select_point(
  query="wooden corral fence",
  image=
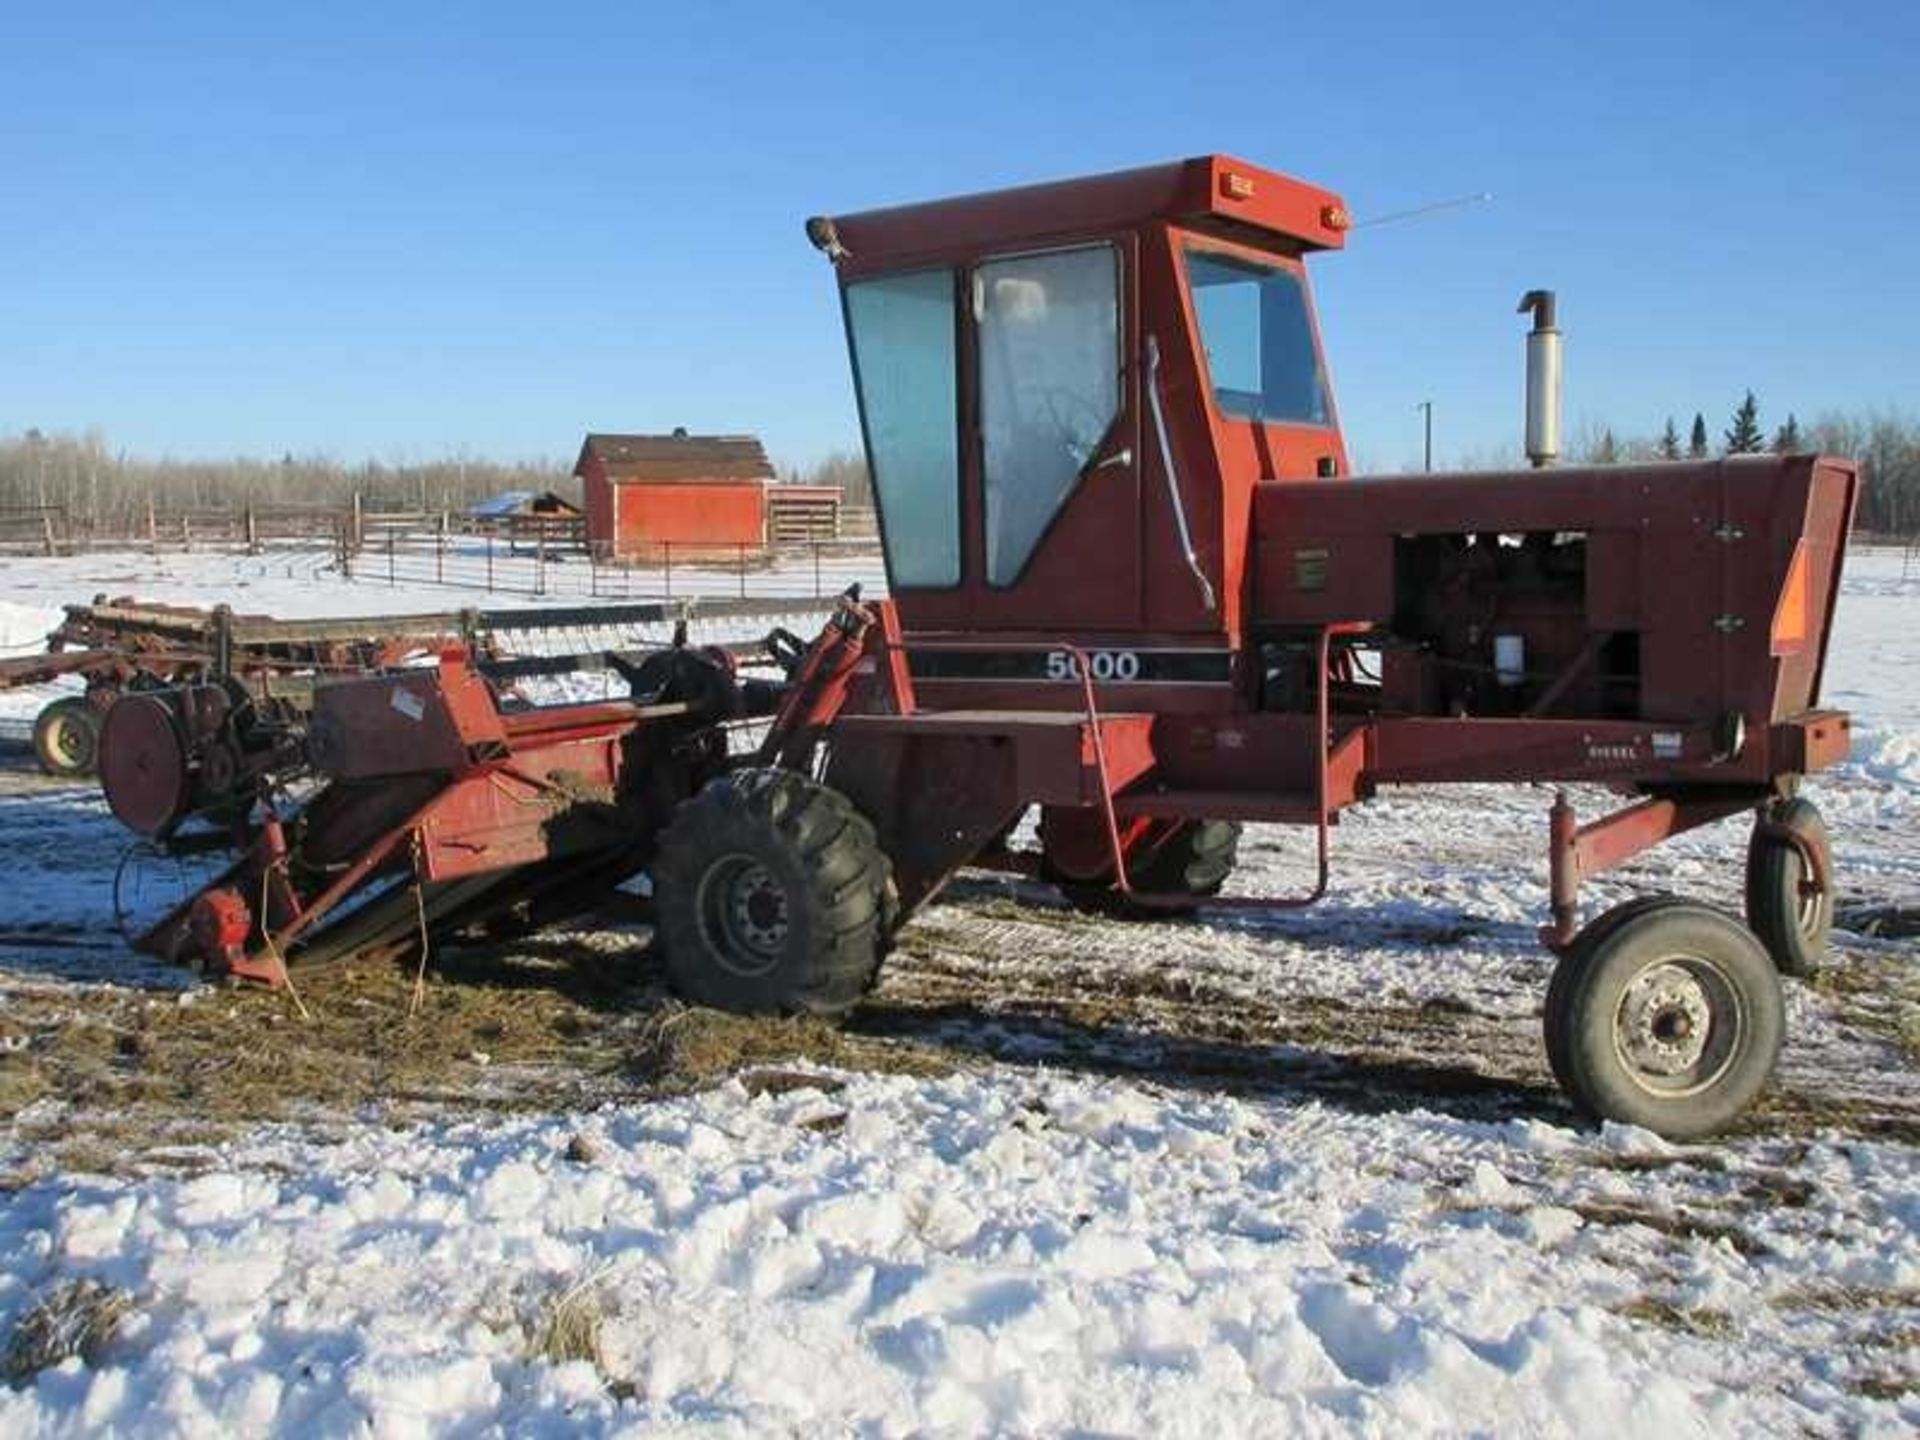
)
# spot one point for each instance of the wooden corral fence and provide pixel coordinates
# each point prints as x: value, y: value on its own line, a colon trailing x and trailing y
x: 362, y: 528
x: 817, y: 549
x: 802, y: 512
x: 518, y: 565
x: 34, y: 530
x: 1907, y: 546
x: 52, y: 530
x: 797, y: 515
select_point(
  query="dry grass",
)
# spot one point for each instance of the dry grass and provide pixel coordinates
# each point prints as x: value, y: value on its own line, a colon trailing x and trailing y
x: 568, y: 1327
x: 1701, y: 1320
x: 1871, y: 1321
x: 77, y: 1318
x: 685, y: 1046
x: 114, y: 1080
x: 1877, y: 1385
x: 1676, y: 1224
x: 120, y: 1081
x: 1876, y: 993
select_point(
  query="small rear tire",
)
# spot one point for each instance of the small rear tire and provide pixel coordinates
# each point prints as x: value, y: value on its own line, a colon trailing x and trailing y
x: 1597, y: 930
x: 66, y: 738
x: 1189, y: 859
x: 770, y: 896
x: 1671, y: 1020
x: 1791, y: 916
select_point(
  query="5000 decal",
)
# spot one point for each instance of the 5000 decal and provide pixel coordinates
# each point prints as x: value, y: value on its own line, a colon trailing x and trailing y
x: 1105, y: 664
x: 1109, y: 667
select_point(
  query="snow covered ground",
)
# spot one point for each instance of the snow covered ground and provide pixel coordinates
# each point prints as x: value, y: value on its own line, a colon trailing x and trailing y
x: 1281, y: 1177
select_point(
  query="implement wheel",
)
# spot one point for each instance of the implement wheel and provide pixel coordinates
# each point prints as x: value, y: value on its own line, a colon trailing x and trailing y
x: 1787, y: 908
x: 1187, y: 858
x: 1596, y: 931
x: 66, y: 738
x: 770, y: 896
x: 1670, y: 1018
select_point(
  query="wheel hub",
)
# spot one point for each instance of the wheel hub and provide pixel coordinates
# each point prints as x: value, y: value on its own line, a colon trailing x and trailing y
x: 1678, y: 1025
x: 759, y: 908
x: 68, y: 740
x: 743, y: 908
x: 1810, y: 896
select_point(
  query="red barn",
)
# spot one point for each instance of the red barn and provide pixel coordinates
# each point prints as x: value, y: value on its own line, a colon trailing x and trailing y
x: 647, y: 492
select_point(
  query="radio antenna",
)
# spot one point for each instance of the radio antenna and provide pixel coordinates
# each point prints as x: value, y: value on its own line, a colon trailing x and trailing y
x: 1393, y: 216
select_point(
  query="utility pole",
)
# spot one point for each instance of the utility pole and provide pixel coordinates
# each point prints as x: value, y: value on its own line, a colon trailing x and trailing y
x: 1427, y: 407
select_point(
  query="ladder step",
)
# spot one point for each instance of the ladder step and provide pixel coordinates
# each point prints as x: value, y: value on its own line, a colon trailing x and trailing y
x: 1277, y: 807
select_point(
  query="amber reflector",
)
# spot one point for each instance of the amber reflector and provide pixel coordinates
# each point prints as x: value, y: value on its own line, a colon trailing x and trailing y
x: 1790, y: 615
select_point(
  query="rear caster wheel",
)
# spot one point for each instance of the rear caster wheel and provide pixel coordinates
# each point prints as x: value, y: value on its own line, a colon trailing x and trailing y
x: 1597, y: 930
x: 1187, y: 858
x: 1787, y: 908
x: 770, y: 896
x: 1669, y: 1018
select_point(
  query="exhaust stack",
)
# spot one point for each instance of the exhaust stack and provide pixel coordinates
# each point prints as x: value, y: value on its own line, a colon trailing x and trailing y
x: 1543, y: 379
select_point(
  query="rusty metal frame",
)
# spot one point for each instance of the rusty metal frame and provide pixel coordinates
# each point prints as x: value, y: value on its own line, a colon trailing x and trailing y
x: 1323, y: 821
x: 1578, y: 852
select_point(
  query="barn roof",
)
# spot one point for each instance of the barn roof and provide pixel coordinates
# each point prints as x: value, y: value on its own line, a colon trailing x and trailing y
x: 522, y: 502
x: 677, y: 457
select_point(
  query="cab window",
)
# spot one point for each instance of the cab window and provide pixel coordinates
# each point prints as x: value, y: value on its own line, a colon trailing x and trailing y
x: 1258, y: 337
x: 1049, y: 337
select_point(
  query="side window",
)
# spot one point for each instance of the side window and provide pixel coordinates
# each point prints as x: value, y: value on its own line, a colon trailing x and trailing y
x: 1049, y: 328
x: 1258, y: 338
x: 903, y: 355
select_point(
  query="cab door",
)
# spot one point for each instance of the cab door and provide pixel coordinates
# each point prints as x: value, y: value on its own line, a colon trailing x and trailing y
x: 1053, y: 471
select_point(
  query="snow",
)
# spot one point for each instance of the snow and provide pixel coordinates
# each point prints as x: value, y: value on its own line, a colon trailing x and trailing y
x: 1009, y: 1253
x: 1186, y: 1222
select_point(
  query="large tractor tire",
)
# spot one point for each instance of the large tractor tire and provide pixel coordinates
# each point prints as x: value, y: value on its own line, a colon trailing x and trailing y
x: 1791, y: 917
x: 770, y: 897
x: 66, y: 738
x: 1187, y: 859
x: 1671, y: 1019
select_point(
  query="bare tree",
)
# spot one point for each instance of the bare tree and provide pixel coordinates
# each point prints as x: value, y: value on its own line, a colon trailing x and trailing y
x: 104, y: 491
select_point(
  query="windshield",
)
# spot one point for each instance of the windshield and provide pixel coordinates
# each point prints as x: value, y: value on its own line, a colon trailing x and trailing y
x: 1258, y: 338
x: 905, y: 371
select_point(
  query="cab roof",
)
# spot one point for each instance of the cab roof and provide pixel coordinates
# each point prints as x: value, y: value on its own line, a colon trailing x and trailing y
x: 1208, y: 192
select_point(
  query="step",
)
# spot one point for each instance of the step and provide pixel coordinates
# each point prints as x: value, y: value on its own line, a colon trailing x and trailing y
x: 1278, y: 807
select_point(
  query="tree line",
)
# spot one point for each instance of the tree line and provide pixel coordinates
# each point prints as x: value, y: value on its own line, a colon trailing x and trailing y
x: 111, y: 492
x: 1887, y: 445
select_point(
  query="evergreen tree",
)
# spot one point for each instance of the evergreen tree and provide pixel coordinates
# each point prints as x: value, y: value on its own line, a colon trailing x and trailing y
x: 1670, y: 441
x: 1697, y: 442
x: 1606, y: 450
x: 1744, y: 437
x: 1786, y: 440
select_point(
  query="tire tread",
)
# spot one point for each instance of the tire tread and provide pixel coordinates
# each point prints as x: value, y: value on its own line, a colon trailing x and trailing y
x: 794, y: 825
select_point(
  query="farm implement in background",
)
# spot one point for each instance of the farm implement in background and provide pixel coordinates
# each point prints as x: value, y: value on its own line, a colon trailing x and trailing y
x: 433, y: 798
x: 1131, y: 583
x: 126, y: 645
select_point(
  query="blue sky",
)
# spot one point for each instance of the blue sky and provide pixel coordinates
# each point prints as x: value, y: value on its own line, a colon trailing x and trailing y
x: 406, y: 231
